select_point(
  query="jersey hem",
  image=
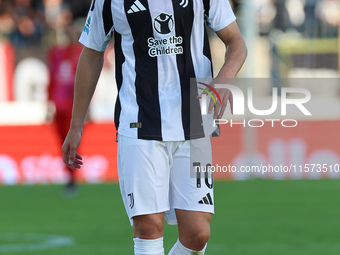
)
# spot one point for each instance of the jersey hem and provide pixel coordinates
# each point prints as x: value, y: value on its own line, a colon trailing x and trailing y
x: 158, y: 138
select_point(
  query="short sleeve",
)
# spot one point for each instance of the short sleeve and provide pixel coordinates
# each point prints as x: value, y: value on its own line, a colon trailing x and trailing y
x: 219, y: 14
x: 98, y: 27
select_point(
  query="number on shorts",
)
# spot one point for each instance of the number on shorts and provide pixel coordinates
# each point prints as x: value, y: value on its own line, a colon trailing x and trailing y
x: 198, y: 170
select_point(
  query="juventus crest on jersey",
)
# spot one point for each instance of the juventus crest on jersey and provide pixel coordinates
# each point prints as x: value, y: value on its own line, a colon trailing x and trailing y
x: 160, y: 45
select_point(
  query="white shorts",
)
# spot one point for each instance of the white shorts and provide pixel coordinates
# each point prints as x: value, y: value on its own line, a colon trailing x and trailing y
x: 157, y: 176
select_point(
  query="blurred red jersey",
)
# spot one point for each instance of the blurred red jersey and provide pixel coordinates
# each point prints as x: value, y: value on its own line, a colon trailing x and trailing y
x: 62, y: 61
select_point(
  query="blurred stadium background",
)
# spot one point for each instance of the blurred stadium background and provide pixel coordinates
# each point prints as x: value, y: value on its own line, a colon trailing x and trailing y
x: 274, y: 213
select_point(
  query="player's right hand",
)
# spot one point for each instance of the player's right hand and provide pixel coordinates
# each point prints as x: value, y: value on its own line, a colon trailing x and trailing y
x: 70, y: 156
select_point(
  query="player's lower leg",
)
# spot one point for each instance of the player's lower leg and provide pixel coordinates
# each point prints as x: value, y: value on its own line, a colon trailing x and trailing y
x: 148, y: 234
x: 71, y: 187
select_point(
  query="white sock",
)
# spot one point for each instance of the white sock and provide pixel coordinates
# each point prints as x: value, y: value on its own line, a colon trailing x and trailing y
x: 149, y: 246
x: 179, y: 249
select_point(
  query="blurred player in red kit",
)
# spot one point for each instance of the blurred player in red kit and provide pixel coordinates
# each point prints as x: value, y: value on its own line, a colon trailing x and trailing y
x: 62, y: 61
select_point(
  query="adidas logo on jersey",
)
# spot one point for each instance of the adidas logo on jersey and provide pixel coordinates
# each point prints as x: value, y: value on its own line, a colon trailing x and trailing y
x: 136, y: 7
x: 206, y: 200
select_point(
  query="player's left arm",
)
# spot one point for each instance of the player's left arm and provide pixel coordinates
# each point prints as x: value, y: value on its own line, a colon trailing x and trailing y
x: 236, y: 54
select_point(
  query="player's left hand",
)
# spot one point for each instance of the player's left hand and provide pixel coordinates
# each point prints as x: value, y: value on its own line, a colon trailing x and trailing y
x: 70, y: 156
x: 225, y: 96
x: 219, y: 109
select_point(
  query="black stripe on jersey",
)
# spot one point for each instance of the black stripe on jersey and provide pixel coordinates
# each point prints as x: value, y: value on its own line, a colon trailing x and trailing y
x: 191, y: 115
x: 107, y: 17
x: 206, y: 46
x: 206, y: 49
x: 120, y: 59
x: 93, y: 3
x: 206, y: 4
x: 146, y: 69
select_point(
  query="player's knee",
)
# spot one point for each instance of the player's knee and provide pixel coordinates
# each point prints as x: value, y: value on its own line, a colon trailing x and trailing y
x: 201, y: 238
x: 196, y: 240
x: 148, y: 227
x: 150, y: 230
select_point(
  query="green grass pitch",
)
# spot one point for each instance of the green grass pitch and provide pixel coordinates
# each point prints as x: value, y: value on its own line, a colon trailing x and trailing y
x: 253, y: 217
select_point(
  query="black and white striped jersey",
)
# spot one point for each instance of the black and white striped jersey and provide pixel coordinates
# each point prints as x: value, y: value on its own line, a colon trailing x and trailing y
x: 159, y: 46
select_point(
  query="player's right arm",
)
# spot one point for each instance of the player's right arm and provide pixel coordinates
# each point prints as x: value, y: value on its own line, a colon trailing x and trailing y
x: 88, y: 70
